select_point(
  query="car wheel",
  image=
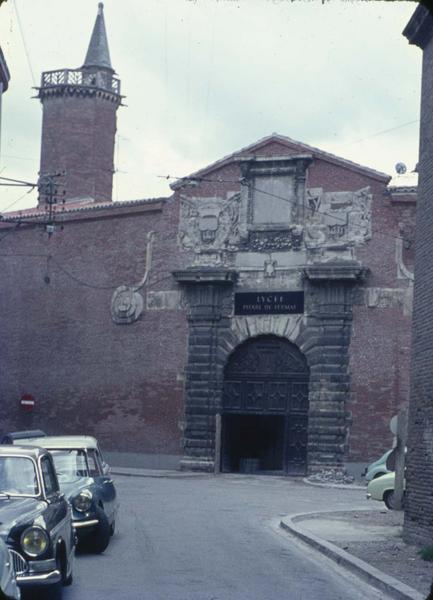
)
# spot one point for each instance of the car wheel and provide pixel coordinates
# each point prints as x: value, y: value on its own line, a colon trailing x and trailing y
x: 390, y: 501
x: 100, y: 538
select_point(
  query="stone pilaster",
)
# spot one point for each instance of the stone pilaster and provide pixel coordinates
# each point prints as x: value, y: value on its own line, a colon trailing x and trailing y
x: 325, y: 340
x: 209, y: 296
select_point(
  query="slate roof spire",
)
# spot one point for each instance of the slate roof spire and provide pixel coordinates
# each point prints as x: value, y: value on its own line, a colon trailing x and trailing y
x: 98, y: 54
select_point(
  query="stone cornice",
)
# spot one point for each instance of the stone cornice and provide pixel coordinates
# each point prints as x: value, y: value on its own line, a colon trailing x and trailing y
x: 336, y: 271
x: 78, y: 91
x: 205, y: 275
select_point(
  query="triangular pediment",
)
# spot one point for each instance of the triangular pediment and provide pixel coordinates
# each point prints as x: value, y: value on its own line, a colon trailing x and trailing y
x: 282, y: 145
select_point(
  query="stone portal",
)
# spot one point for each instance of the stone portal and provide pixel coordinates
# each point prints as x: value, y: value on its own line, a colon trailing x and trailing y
x: 265, y: 408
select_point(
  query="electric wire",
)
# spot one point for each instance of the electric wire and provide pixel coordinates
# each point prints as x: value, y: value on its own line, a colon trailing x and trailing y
x: 15, y: 201
x: 20, y: 181
x: 202, y: 179
x: 265, y: 192
x: 15, y: 5
x: 80, y: 281
x: 11, y: 230
x: 372, y: 135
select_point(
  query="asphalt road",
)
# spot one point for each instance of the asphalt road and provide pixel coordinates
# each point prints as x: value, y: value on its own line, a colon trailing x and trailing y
x: 215, y: 538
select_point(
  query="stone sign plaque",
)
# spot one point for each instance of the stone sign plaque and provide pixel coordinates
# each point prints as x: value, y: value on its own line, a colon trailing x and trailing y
x: 269, y: 303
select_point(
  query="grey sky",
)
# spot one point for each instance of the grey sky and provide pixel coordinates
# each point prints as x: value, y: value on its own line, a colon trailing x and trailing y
x: 203, y: 78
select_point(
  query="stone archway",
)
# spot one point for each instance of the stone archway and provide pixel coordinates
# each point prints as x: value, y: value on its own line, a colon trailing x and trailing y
x: 322, y: 334
x: 265, y: 408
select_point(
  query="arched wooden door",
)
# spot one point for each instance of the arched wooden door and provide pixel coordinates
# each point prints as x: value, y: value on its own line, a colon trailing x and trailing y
x: 265, y: 408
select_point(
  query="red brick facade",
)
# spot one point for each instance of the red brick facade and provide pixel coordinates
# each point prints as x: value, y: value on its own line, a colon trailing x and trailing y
x: 78, y: 139
x: 418, y: 526
x: 126, y: 383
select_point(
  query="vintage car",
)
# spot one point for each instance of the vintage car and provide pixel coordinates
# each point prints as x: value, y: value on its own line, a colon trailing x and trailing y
x: 382, y: 488
x: 8, y: 584
x: 35, y: 522
x: 84, y: 478
x: 14, y: 436
x: 378, y: 467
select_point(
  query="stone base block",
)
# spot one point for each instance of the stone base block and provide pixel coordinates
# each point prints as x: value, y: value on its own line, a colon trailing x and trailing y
x: 203, y: 465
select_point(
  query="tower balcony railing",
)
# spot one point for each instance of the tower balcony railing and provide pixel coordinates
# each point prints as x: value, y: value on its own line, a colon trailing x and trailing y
x: 81, y: 77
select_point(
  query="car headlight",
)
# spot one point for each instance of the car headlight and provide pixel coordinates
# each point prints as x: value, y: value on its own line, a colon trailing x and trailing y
x: 34, y: 541
x: 83, y: 501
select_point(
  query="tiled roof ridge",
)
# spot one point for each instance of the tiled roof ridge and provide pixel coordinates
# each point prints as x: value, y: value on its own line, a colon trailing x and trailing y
x: 87, y: 208
x: 285, y: 140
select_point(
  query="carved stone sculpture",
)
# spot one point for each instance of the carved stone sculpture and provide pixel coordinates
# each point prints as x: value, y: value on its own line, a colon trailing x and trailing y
x: 209, y: 226
x: 126, y: 303
x: 337, y: 220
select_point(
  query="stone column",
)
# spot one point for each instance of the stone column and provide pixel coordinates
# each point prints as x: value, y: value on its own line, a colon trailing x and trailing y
x: 326, y: 342
x: 209, y: 296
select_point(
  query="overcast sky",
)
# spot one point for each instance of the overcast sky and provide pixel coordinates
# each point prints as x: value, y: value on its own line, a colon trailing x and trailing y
x: 203, y: 78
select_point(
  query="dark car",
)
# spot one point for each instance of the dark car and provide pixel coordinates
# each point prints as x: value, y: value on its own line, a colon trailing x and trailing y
x: 84, y: 478
x: 35, y: 522
x: 8, y: 584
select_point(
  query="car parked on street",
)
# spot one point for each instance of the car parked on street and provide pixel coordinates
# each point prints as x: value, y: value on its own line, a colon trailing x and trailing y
x: 13, y: 437
x: 84, y: 478
x: 9, y: 589
x: 382, y: 488
x: 35, y: 522
x: 378, y: 467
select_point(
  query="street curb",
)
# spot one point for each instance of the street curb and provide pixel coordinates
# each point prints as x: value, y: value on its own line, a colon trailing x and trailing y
x: 357, y: 566
x: 340, y: 486
x: 155, y: 473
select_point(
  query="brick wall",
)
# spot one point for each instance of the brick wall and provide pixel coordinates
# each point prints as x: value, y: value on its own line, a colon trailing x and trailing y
x: 78, y: 137
x: 418, y: 526
x: 122, y: 383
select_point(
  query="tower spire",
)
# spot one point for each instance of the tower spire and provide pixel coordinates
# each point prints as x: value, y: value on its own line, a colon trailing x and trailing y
x: 98, y: 54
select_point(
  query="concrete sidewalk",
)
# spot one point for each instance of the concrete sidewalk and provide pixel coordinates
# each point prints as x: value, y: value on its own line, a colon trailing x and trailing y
x: 369, y: 544
x: 156, y: 473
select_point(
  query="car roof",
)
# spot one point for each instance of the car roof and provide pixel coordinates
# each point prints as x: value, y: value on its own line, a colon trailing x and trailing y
x: 22, y: 449
x: 62, y: 441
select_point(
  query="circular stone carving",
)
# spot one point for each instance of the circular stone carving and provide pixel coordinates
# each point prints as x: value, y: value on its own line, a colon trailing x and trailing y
x: 126, y: 305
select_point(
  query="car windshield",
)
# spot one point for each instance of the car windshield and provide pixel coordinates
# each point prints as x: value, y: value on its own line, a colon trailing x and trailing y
x: 70, y: 465
x: 18, y: 476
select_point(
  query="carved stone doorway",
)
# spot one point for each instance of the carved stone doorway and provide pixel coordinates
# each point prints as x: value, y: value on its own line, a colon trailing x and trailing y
x: 265, y: 408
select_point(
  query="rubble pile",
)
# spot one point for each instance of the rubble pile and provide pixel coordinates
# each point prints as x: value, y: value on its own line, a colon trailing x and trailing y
x: 333, y: 475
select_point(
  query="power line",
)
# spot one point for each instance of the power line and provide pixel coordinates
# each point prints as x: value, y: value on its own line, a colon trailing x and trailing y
x: 265, y: 192
x: 17, y: 200
x: 254, y: 188
x: 10, y: 231
x: 381, y: 133
x: 24, y: 42
x: 18, y: 181
x: 80, y: 281
x: 15, y: 157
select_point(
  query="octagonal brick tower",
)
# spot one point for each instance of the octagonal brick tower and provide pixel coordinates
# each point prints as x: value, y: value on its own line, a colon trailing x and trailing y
x: 79, y: 122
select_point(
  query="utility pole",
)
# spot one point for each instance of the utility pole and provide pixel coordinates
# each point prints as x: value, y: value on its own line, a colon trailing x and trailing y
x: 400, y: 459
x: 48, y: 188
